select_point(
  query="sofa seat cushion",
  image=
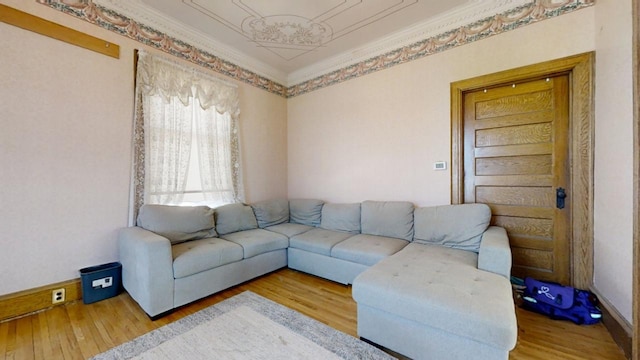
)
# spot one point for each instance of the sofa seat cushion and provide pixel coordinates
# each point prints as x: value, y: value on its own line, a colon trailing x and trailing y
x: 258, y: 241
x: 195, y: 256
x: 319, y: 241
x: 442, y: 288
x: 289, y: 230
x: 367, y: 249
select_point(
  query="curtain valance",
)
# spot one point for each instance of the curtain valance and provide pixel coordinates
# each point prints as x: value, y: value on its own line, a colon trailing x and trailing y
x: 166, y: 78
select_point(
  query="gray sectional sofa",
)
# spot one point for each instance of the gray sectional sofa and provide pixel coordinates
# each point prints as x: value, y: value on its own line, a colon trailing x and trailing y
x: 429, y: 282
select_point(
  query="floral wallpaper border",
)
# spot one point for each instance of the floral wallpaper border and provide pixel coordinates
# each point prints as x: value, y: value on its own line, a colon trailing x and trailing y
x: 120, y: 24
x: 510, y: 20
x: 533, y: 12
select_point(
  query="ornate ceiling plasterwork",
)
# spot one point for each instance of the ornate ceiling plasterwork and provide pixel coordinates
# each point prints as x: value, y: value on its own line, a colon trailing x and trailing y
x: 472, y: 30
x: 292, y: 29
x: 287, y: 31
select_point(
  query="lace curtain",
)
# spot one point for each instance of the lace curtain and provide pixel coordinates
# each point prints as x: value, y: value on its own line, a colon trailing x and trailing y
x: 216, y: 158
x: 173, y: 101
x: 167, y: 149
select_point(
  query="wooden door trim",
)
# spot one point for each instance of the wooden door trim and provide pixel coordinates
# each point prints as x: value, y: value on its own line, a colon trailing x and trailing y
x: 581, y: 129
x: 635, y: 344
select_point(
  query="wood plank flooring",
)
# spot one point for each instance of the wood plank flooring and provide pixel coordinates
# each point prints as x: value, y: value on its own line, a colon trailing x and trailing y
x: 79, y: 331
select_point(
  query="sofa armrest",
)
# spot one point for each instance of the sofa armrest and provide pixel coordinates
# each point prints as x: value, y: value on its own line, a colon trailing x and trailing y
x: 495, y: 252
x: 147, y: 269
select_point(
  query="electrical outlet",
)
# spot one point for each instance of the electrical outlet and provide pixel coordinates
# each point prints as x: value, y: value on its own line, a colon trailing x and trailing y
x: 58, y: 296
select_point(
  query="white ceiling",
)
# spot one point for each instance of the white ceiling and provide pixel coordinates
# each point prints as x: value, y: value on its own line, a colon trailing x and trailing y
x: 290, y: 41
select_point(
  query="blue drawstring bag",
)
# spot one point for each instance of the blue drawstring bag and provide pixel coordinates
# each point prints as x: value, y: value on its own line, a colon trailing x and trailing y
x: 561, y: 302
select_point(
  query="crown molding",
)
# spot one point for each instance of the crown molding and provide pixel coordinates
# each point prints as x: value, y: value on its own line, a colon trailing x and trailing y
x: 144, y: 14
x: 471, y: 12
x: 531, y: 12
x: 476, y: 20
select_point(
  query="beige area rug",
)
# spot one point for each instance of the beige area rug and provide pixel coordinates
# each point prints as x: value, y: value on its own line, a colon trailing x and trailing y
x: 246, y: 326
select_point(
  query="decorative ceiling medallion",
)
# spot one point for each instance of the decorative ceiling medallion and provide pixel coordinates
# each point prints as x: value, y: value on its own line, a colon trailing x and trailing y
x: 287, y: 31
x: 316, y: 23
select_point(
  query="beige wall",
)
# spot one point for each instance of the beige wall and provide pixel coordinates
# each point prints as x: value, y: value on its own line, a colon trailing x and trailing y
x: 613, y: 218
x: 377, y: 137
x: 64, y: 155
x: 263, y: 143
x: 65, y: 150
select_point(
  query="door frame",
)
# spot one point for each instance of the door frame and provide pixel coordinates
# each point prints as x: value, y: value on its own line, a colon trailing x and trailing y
x: 580, y: 69
x: 635, y: 343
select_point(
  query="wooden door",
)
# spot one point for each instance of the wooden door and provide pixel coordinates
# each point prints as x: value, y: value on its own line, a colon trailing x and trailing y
x: 516, y: 157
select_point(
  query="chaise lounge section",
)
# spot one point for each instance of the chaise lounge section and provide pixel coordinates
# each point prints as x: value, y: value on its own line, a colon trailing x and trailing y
x: 447, y: 294
x: 428, y: 282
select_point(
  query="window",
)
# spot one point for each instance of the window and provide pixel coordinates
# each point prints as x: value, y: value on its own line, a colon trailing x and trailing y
x: 199, y: 190
x: 186, y: 139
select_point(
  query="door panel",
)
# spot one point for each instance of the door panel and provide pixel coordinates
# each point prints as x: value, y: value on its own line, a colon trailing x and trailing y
x: 514, y: 165
x: 515, y: 195
x: 542, y: 228
x: 531, y: 258
x: 514, y: 135
x: 516, y: 155
x: 535, y: 100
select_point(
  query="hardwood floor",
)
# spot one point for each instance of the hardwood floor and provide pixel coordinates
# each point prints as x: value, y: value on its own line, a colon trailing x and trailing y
x: 78, y: 331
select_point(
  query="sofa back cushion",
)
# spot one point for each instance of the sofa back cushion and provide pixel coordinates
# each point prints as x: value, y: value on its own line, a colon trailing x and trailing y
x: 305, y: 211
x: 178, y: 223
x: 455, y: 226
x: 388, y: 218
x: 235, y: 217
x: 341, y: 217
x: 271, y: 212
